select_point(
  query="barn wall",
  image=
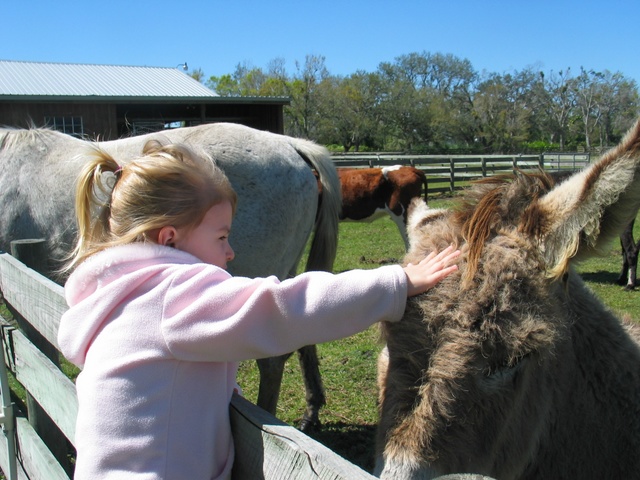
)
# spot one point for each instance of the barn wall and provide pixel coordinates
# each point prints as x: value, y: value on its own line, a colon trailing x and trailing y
x: 262, y: 117
x: 98, y: 119
x: 110, y: 121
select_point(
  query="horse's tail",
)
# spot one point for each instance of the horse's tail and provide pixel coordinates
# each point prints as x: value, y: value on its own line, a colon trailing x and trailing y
x: 325, y: 238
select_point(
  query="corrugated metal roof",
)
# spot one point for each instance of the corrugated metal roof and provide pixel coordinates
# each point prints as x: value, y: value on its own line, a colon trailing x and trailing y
x: 67, y: 79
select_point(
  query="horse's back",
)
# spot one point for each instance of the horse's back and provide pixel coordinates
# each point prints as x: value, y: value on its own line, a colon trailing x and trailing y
x: 278, y: 195
x: 38, y: 170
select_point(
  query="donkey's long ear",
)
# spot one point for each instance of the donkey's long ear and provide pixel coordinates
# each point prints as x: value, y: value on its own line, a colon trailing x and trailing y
x: 581, y: 216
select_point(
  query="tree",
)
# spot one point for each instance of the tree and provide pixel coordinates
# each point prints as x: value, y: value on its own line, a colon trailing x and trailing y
x: 453, y: 120
x: 349, y: 113
x: 246, y: 80
x: 303, y: 113
x: 197, y: 74
x: 224, y: 85
x: 437, y: 101
x: 586, y: 89
x: 428, y: 99
x: 616, y: 108
x: 405, y: 102
x: 503, y: 106
x: 555, y: 100
x: 277, y: 82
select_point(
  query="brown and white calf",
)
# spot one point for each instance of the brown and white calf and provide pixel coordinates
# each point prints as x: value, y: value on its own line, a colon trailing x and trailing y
x: 370, y: 193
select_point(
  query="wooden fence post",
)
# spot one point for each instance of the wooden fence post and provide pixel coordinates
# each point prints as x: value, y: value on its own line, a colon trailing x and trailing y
x: 452, y: 176
x: 33, y: 253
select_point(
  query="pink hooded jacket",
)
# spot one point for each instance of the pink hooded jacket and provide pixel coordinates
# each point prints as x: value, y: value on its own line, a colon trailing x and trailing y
x: 159, y: 334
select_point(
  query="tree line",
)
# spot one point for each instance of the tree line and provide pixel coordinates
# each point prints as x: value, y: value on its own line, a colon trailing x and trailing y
x: 436, y: 103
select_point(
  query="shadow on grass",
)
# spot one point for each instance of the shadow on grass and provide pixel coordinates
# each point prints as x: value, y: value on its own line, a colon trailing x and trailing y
x: 355, y: 443
x: 601, y: 276
x: 378, y: 261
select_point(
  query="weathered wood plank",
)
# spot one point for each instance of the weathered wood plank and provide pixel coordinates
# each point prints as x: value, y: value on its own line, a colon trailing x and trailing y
x: 4, y: 459
x: 269, y: 449
x: 38, y: 299
x: 32, y: 253
x: 36, y: 462
x: 53, y: 390
x: 35, y: 458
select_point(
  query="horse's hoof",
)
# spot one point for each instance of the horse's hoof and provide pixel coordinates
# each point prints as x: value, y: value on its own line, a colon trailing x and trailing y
x: 308, y: 425
x: 629, y: 288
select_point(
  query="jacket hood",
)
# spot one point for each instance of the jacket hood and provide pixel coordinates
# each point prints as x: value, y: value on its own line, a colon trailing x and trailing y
x: 98, y: 287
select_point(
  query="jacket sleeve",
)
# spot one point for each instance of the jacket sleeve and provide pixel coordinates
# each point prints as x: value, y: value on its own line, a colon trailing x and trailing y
x: 237, y: 318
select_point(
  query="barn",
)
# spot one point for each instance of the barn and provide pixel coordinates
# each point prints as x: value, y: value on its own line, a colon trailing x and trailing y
x: 112, y: 101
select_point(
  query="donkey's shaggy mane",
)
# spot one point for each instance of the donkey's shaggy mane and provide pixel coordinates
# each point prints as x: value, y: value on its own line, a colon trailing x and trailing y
x: 494, y: 202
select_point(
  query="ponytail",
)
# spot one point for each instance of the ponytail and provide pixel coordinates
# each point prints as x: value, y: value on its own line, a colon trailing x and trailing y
x: 167, y: 185
x: 93, y: 193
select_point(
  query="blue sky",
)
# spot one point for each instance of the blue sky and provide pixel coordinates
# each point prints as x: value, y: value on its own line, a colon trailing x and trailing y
x: 494, y: 35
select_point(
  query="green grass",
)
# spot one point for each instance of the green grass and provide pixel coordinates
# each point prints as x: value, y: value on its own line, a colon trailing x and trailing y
x: 348, y: 366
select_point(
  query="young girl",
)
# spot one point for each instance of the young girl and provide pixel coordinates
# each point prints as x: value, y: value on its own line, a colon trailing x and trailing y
x: 158, y: 325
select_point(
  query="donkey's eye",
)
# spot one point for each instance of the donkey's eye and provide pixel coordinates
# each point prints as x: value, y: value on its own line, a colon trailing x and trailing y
x: 505, y: 370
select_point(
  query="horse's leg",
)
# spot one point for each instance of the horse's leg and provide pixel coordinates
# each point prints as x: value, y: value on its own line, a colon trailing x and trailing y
x: 629, y: 258
x: 310, y: 365
x: 632, y: 260
x: 271, y: 370
x: 622, y: 278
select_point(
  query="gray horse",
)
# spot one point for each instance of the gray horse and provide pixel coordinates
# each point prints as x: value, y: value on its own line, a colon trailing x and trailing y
x: 512, y: 368
x: 278, y: 208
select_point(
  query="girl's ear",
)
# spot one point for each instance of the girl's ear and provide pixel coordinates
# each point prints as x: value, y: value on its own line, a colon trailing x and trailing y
x: 167, y: 236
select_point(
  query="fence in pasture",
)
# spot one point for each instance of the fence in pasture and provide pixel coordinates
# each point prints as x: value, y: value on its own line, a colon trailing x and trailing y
x: 37, y: 438
x: 448, y: 173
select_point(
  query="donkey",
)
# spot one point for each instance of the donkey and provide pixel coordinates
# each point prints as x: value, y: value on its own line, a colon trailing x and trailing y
x: 278, y: 208
x: 511, y: 367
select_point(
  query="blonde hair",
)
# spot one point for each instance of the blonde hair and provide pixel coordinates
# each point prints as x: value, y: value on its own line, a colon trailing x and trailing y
x: 167, y: 185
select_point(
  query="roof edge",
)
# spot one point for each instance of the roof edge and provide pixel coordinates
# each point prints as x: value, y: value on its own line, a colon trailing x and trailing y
x: 145, y: 99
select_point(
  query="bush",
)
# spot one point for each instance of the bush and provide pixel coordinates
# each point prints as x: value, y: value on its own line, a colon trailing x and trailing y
x: 540, y: 146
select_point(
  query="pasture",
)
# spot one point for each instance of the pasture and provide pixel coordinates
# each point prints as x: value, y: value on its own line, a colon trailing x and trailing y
x: 349, y: 366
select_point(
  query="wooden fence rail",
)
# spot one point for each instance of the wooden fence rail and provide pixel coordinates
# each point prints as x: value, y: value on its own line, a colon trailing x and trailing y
x: 448, y: 173
x: 266, y: 448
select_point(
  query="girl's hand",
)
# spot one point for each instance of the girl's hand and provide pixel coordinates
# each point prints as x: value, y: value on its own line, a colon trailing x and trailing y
x: 430, y: 271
